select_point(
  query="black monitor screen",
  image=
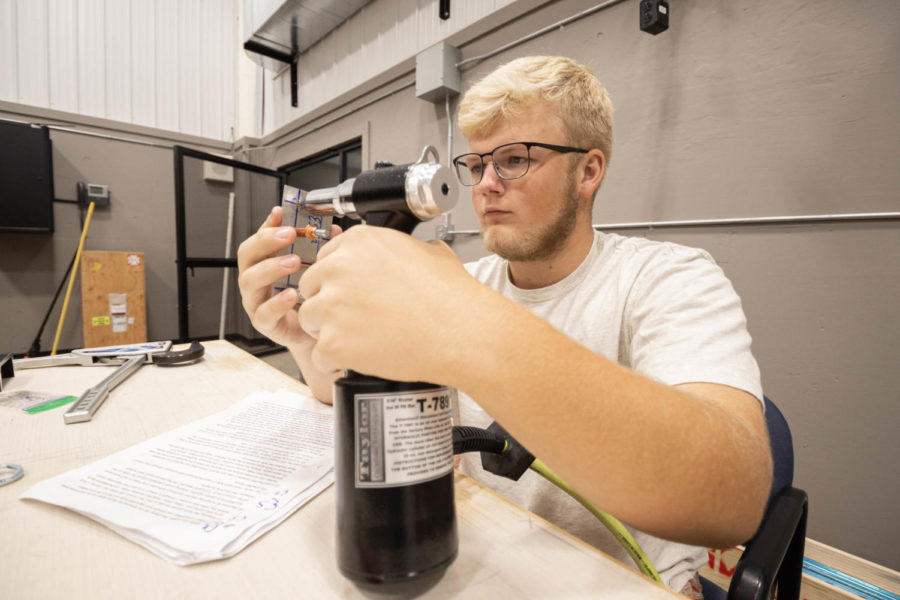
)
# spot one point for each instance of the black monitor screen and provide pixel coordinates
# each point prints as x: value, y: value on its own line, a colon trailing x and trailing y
x: 26, y: 178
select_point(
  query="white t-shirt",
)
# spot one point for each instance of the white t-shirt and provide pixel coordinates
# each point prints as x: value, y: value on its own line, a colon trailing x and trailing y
x: 663, y: 310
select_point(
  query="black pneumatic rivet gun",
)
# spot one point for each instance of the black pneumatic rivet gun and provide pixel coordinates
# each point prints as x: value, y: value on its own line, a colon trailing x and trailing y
x: 396, y: 516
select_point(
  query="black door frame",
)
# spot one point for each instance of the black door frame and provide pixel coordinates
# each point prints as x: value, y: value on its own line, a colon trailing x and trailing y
x: 183, y: 261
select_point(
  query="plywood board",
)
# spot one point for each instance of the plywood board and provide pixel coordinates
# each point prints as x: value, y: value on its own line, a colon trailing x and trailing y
x: 113, y: 300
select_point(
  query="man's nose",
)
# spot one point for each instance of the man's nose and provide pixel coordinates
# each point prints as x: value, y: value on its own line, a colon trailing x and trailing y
x: 489, y: 176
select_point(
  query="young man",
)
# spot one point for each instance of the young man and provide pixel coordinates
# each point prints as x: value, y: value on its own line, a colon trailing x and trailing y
x: 623, y: 364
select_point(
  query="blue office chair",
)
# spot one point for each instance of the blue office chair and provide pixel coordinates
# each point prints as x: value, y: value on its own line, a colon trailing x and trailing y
x: 773, y: 558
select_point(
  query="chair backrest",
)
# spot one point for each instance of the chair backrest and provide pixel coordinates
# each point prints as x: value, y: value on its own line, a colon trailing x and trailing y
x: 782, y: 448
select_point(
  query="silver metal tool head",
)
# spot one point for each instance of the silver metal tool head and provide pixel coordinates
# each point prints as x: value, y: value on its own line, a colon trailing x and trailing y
x: 331, y: 201
x: 430, y: 190
x: 424, y: 189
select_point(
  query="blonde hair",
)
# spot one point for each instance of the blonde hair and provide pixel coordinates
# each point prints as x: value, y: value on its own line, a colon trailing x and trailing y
x: 581, y: 104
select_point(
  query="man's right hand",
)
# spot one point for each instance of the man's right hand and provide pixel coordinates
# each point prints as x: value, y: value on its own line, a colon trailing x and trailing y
x: 259, y: 267
x: 275, y: 315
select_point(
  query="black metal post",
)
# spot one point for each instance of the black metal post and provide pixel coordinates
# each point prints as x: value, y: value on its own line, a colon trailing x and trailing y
x: 294, y: 83
x: 181, y: 244
x: 183, y: 261
x: 284, y: 57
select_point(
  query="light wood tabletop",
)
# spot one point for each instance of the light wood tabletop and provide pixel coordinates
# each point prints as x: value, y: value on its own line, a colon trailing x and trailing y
x: 50, y: 552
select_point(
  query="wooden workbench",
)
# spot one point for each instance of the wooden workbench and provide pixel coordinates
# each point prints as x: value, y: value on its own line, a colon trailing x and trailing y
x: 48, y: 552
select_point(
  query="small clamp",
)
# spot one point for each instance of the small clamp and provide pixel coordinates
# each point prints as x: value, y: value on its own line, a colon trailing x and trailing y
x: 17, y: 470
x: 179, y: 357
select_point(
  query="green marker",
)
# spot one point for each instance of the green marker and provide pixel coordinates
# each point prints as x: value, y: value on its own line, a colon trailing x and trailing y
x: 51, y: 404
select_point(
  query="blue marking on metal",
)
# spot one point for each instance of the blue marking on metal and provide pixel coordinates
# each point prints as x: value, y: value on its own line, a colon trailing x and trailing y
x: 846, y: 582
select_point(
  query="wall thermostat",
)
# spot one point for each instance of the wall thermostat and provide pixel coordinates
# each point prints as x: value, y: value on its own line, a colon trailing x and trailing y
x: 93, y: 192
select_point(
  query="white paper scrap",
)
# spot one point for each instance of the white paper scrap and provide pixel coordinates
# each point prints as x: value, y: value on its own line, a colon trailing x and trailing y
x: 206, y: 490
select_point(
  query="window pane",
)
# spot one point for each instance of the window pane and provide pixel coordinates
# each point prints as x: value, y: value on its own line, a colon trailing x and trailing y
x: 354, y: 162
x: 321, y: 174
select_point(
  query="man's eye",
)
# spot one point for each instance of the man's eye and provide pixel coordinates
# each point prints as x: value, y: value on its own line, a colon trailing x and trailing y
x: 475, y: 169
x: 513, y: 161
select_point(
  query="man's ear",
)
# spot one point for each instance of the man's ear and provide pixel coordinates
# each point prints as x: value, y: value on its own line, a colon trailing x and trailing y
x: 592, y: 172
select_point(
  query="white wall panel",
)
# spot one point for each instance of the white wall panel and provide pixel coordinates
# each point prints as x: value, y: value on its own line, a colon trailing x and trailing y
x: 143, y: 63
x: 340, y: 50
x: 91, y: 48
x: 316, y: 86
x: 371, y: 52
x: 34, y: 84
x: 248, y: 87
x: 62, y: 22
x: 188, y: 24
x: 9, y: 53
x: 433, y: 29
x: 117, y: 23
x: 356, y: 29
x: 167, y: 65
x: 209, y: 75
x: 227, y: 66
x: 470, y: 12
x: 407, y: 31
x: 159, y: 63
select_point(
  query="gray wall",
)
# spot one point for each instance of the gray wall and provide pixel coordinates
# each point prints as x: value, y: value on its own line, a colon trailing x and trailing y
x: 742, y: 109
x: 141, y: 217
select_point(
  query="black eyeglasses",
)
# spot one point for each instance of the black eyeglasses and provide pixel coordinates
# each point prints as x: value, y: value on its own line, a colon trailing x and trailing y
x: 511, y: 161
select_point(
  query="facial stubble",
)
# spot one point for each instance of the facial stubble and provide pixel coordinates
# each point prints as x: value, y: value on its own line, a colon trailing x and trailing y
x: 545, y: 241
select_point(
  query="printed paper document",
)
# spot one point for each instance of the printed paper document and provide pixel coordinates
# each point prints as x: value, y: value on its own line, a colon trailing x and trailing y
x: 204, y: 491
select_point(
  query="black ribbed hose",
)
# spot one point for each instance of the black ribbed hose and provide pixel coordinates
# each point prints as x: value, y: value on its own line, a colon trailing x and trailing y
x: 474, y: 439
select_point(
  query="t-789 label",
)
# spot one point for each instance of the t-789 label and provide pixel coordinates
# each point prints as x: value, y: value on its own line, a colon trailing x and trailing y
x: 403, y: 438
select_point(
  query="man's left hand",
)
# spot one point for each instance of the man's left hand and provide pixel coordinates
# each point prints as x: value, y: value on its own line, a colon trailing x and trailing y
x: 382, y: 303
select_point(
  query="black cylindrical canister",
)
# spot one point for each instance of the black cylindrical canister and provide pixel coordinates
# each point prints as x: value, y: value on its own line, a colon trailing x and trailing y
x: 396, y: 517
